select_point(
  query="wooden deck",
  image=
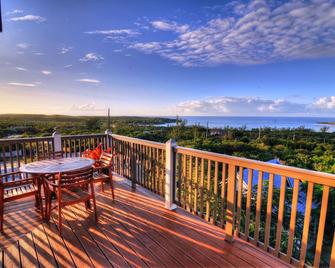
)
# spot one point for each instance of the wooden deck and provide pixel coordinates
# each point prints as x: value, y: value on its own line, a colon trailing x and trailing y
x: 133, y: 231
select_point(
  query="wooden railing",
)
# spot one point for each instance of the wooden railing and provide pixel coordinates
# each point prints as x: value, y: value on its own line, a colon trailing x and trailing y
x: 287, y: 211
x: 15, y: 152
x: 280, y: 209
x: 75, y: 145
x: 141, y: 161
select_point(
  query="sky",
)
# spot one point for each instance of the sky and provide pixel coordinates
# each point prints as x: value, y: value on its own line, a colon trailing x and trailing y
x: 185, y: 57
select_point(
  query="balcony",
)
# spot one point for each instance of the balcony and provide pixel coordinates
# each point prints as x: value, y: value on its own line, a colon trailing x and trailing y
x: 174, y: 207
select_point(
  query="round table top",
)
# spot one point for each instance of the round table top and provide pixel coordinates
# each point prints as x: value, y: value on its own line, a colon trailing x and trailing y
x: 54, y: 166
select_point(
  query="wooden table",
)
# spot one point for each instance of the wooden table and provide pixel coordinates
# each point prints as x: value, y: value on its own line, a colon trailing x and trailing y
x: 55, y: 166
x: 40, y: 169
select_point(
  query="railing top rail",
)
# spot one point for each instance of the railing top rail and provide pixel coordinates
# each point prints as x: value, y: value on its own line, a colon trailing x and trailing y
x: 287, y: 171
x: 81, y: 136
x: 17, y: 140
x: 154, y: 144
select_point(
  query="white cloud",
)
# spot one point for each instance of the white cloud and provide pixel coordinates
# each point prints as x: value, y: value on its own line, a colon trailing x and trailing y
x: 169, y: 26
x: 256, y: 32
x: 21, y: 69
x: 117, y: 35
x: 65, y: 50
x: 89, y: 80
x: 33, y: 18
x: 46, y: 72
x: 327, y: 103
x: 39, y: 53
x: 21, y: 84
x: 240, y: 106
x: 68, y: 66
x: 115, y: 32
x: 22, y: 45
x: 87, y: 107
x: 15, y: 11
x: 146, y: 47
x: 91, y: 57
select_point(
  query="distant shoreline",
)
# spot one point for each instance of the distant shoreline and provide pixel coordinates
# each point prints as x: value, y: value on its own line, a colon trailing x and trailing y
x: 326, y: 123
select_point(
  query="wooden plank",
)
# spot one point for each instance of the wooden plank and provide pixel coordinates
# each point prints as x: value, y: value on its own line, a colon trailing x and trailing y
x: 196, y: 187
x: 292, y: 220
x: 321, y: 228
x: 11, y: 256
x: 248, y: 203
x: 258, y: 206
x: 61, y: 253
x: 27, y: 251
x: 307, y: 220
x: 268, y: 213
x: 280, y: 215
x: 91, y: 248
x: 43, y: 251
x: 75, y: 248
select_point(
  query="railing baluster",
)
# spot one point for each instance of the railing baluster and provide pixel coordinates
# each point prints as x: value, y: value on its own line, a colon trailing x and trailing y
x: 280, y: 214
x: 223, y: 194
x: 208, y: 190
x: 215, y: 207
x: 268, y: 213
x: 202, y: 188
x: 248, y: 204
x: 293, y: 219
x: 321, y: 228
x: 190, y: 186
x: 239, y: 200
x: 230, y: 202
x: 196, y: 187
x: 307, y: 221
x: 258, y: 206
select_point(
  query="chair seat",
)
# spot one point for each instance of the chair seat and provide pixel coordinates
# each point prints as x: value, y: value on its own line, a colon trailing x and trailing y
x: 100, y: 177
x: 19, y: 191
x: 74, y: 194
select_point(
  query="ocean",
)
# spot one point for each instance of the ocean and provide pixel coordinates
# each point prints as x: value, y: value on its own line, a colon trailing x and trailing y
x: 259, y: 122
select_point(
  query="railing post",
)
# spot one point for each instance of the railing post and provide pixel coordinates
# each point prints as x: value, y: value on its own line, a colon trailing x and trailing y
x: 169, y: 178
x: 57, y: 141
x: 230, y: 203
x: 108, y: 133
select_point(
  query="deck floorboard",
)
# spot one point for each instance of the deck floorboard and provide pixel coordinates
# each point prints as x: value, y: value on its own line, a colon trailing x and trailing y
x: 133, y: 231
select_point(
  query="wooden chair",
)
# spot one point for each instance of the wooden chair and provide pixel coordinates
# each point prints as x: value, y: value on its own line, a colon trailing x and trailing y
x: 51, y: 155
x: 104, y: 164
x: 17, y: 185
x: 69, y: 188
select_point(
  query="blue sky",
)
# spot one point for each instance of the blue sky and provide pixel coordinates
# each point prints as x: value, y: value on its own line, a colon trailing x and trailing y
x: 168, y: 57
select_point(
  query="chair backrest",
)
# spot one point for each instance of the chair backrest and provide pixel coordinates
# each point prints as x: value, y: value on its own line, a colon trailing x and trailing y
x: 16, y: 176
x: 75, y: 178
x: 106, y: 159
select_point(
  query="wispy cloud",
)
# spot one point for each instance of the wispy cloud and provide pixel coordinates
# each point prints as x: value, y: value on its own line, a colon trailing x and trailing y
x: 89, y: 80
x: 21, y: 69
x: 32, y: 18
x: 65, y: 50
x: 46, y: 72
x: 169, y: 26
x: 68, y: 66
x: 117, y: 35
x: 91, y: 57
x: 22, y: 45
x: 256, y: 32
x: 14, y: 12
x: 21, y: 84
x: 87, y: 107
